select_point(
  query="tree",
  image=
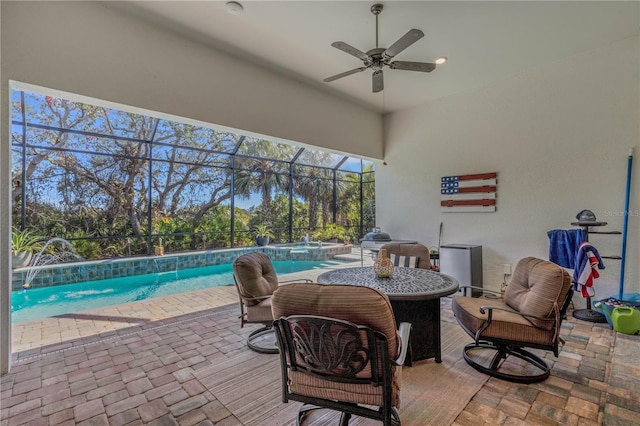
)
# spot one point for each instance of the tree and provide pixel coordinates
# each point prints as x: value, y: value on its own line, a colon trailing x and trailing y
x: 262, y: 174
x: 184, y: 175
x: 88, y: 158
x: 315, y: 185
x: 89, y: 172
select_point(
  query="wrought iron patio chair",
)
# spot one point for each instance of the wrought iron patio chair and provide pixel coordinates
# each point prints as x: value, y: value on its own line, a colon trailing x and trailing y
x: 340, y: 350
x: 535, y: 303
x: 256, y: 280
x: 413, y: 255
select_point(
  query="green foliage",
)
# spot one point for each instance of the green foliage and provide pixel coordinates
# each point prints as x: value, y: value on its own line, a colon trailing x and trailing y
x: 279, y: 218
x: 263, y: 231
x: 88, y: 249
x: 164, y: 225
x: 213, y: 229
x: 330, y: 232
x: 242, y: 219
x: 25, y: 240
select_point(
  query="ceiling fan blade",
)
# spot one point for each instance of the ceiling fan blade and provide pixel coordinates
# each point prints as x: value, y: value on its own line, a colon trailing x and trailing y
x: 378, y: 81
x: 343, y: 74
x: 412, y: 66
x: 350, y: 50
x: 403, y: 42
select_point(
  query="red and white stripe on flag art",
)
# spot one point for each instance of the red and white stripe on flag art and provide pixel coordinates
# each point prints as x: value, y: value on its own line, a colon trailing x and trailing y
x: 468, y: 193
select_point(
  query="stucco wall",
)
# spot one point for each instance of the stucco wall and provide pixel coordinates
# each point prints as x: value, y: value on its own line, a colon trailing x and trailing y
x: 92, y: 50
x: 559, y: 138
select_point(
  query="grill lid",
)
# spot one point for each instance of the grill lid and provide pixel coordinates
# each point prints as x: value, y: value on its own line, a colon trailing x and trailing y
x: 377, y: 235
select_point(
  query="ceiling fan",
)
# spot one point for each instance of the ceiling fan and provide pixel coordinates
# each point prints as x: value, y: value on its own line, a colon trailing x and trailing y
x: 378, y: 58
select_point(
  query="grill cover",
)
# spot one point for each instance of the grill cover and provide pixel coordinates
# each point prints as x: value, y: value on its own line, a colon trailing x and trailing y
x: 377, y: 235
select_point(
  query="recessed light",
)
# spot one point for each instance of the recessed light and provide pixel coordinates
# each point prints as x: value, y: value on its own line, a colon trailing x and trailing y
x: 441, y: 60
x: 234, y: 8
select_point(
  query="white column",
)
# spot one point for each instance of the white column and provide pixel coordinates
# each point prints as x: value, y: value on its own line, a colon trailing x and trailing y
x: 5, y: 230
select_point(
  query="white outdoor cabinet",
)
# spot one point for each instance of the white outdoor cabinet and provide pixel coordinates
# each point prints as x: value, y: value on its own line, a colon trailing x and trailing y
x: 464, y: 263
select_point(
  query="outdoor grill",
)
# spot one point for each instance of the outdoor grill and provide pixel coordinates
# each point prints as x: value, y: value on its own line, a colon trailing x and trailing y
x: 375, y: 239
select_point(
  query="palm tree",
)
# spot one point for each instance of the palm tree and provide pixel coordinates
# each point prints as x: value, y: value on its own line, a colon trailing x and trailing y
x: 316, y: 187
x: 261, y: 178
x: 261, y: 174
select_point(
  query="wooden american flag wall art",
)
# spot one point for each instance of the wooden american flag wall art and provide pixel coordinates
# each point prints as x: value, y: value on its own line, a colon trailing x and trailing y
x: 468, y: 193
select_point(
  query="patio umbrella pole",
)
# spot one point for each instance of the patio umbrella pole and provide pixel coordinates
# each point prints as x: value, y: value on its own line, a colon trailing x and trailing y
x: 625, y: 222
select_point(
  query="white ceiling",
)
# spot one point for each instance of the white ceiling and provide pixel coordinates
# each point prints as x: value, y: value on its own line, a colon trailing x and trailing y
x: 484, y: 41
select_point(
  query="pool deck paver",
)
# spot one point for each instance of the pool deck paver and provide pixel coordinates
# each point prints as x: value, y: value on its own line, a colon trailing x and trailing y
x: 145, y: 366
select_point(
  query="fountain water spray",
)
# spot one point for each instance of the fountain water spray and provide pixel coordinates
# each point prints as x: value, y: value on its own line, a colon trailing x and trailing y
x: 66, y: 254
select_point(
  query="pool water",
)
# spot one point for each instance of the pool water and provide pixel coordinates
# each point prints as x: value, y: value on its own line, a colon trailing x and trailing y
x: 46, y: 302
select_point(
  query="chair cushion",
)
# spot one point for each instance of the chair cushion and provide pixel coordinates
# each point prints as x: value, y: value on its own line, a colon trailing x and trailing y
x: 260, y: 312
x: 410, y: 249
x: 536, y: 286
x: 356, y: 304
x: 255, y: 276
x: 405, y: 261
x: 504, y: 325
x: 306, y: 384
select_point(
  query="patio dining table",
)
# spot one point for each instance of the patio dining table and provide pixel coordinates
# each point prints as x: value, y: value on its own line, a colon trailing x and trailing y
x: 415, y: 298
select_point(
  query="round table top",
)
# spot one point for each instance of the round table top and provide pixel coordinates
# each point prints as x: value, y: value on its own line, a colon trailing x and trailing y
x: 404, y: 284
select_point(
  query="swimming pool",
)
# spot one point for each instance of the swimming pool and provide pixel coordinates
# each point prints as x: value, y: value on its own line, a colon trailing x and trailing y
x: 46, y: 302
x: 104, y: 269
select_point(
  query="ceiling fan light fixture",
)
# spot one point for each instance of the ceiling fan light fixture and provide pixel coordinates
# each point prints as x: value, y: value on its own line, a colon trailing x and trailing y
x: 234, y: 8
x: 441, y: 60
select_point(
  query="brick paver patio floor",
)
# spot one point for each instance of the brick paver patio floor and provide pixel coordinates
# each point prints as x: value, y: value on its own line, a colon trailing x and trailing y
x: 137, y: 364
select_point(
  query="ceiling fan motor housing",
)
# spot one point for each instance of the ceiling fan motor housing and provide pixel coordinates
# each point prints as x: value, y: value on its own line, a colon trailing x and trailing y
x: 376, y: 58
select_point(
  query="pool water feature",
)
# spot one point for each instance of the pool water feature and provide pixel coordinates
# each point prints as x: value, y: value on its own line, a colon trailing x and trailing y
x: 46, y: 302
x: 55, y: 251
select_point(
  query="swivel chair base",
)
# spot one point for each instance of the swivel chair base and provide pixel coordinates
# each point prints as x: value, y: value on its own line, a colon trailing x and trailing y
x: 501, y: 353
x: 263, y: 340
x: 345, y: 416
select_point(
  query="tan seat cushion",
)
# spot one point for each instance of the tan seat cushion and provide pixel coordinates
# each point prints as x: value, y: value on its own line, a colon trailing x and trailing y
x: 356, y: 304
x: 306, y: 384
x: 504, y: 325
x: 416, y: 250
x: 260, y: 312
x: 536, y: 286
x: 255, y: 276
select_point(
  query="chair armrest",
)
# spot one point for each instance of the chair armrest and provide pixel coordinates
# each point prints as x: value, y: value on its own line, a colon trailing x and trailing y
x: 490, y: 308
x: 301, y: 280
x: 256, y: 298
x: 500, y: 308
x: 403, y: 331
x: 484, y: 290
x: 557, y: 320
